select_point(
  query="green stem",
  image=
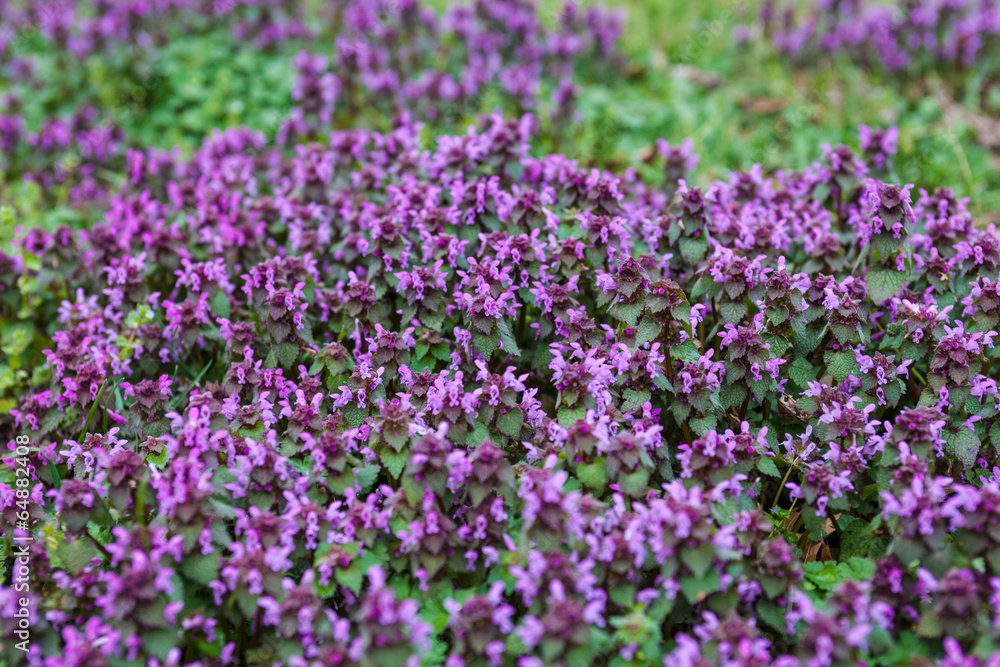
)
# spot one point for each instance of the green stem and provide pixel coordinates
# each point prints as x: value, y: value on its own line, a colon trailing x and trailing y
x: 836, y: 526
x: 128, y: 341
x: 255, y: 640
x: 686, y: 432
x: 522, y: 325
x: 100, y: 547
x: 140, y: 509
x: 861, y: 255
x: 177, y: 401
x: 781, y: 488
x: 745, y: 406
x: 24, y: 279
x: 911, y: 389
x: 93, y: 411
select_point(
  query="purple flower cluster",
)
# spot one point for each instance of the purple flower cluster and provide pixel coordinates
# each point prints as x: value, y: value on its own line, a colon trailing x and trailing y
x: 387, y: 57
x: 372, y: 60
x: 84, y: 27
x: 898, y: 36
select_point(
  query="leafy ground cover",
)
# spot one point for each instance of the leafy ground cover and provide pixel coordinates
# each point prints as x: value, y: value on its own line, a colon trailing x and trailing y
x: 450, y: 350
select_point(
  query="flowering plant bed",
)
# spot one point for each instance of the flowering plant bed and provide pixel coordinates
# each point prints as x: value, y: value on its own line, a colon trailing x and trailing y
x: 415, y: 397
x: 368, y: 400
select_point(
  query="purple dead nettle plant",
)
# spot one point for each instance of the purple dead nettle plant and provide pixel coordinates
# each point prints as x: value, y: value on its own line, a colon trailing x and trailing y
x: 905, y: 36
x: 373, y: 397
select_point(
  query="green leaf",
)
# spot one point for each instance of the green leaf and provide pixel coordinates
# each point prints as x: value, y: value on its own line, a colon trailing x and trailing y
x: 732, y: 395
x: 732, y: 311
x: 394, y: 461
x: 963, y: 446
x: 54, y: 472
x: 77, y: 554
x: 569, y: 416
x: 634, y: 400
x: 862, y: 569
x: 351, y: 577
x: 222, y: 510
x: 628, y: 313
x: 593, y: 475
x: 286, y: 354
x: 354, y: 415
x: 845, y: 334
x: 703, y: 425
x: 647, y: 332
x: 930, y: 625
x: 841, y: 364
x: 509, y: 343
x: 859, y: 541
x: 257, y: 432
x: 220, y: 304
x: 767, y: 466
x: 778, y: 315
x: 805, y: 339
x: 413, y: 489
x: 686, y: 352
x: 815, y: 524
x: 699, y: 559
x: 772, y: 615
x: 882, y: 284
x: 486, y: 344
x: 695, y: 589
x: 478, y: 435
x: 884, y: 243
x: 724, y: 511
x: 510, y: 422
x: 201, y: 569
x: 779, y: 344
x: 661, y: 382
x: 159, y: 642
x: 635, y: 484
x: 366, y: 476
x: 142, y: 314
x: 622, y: 594
x: 801, y: 372
x: 93, y: 411
x: 822, y: 575
x: 693, y: 248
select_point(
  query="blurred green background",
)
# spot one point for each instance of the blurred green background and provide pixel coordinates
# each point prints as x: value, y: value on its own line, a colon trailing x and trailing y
x: 687, y: 77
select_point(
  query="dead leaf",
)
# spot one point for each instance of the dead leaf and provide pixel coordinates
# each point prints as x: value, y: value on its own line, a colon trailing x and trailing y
x: 763, y: 105
x: 697, y: 76
x: 648, y: 154
x: 811, y: 550
x: 788, y: 406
